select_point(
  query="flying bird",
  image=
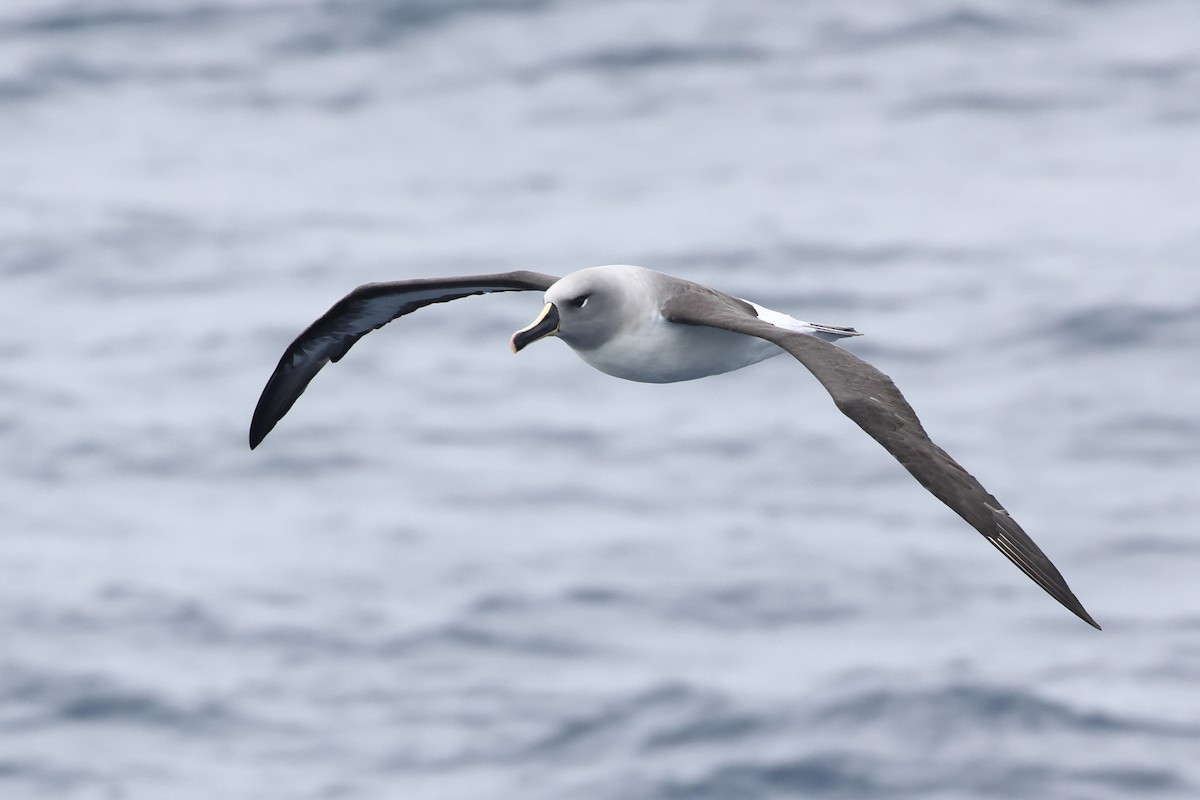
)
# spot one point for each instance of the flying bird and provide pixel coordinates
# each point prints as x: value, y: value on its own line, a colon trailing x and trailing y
x: 641, y: 325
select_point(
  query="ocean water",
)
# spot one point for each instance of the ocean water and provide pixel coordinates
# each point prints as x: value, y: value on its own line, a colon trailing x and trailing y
x: 452, y: 573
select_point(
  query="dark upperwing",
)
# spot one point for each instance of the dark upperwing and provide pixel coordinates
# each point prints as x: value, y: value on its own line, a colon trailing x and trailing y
x: 867, y: 396
x: 368, y: 307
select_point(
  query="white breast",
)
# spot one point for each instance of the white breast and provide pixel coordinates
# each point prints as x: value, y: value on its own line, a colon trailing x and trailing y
x: 664, y: 352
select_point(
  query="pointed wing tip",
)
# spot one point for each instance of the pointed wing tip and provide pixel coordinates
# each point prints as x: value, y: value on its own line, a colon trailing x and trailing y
x: 1063, y: 594
x: 1011, y: 539
x: 1070, y: 602
x: 1086, y: 617
x: 259, y: 428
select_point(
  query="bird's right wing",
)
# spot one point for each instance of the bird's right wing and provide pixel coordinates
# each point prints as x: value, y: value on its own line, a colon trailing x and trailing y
x: 867, y: 396
x: 365, y: 309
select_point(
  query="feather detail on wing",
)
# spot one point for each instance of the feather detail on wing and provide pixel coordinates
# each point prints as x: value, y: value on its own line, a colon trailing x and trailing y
x: 365, y: 309
x: 867, y: 396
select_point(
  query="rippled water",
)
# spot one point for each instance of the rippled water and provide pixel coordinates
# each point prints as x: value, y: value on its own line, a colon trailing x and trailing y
x: 451, y: 573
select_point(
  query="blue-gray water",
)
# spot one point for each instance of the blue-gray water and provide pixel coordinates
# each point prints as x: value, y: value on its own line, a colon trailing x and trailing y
x: 451, y: 573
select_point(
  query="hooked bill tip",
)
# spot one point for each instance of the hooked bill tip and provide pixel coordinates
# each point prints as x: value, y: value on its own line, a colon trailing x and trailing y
x: 545, y: 325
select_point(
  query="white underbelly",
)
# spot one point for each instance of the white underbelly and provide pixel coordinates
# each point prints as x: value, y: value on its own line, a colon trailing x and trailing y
x: 677, y: 353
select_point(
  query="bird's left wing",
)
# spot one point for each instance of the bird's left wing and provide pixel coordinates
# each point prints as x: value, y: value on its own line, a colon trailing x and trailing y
x: 869, y: 397
x: 365, y: 309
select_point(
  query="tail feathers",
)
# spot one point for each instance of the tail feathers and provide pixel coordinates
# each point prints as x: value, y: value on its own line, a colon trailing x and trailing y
x: 830, y: 333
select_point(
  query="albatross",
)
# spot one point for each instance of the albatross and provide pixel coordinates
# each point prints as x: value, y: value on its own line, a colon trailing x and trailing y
x: 642, y: 325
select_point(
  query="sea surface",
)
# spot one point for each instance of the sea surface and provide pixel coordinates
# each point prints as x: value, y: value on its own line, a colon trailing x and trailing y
x: 455, y: 574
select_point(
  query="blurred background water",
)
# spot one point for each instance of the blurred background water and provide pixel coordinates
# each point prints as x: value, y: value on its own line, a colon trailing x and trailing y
x: 451, y: 573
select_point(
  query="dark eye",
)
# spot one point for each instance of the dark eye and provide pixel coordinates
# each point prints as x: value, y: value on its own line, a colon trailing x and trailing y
x: 579, y: 302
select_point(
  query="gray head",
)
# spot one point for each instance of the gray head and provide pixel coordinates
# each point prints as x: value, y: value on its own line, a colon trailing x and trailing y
x: 586, y: 308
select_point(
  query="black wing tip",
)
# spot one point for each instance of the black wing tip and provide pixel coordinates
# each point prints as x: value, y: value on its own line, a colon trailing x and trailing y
x: 1082, y: 613
x: 1061, y: 592
x: 1011, y: 540
x: 258, y: 432
x: 266, y: 416
x: 1070, y: 602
